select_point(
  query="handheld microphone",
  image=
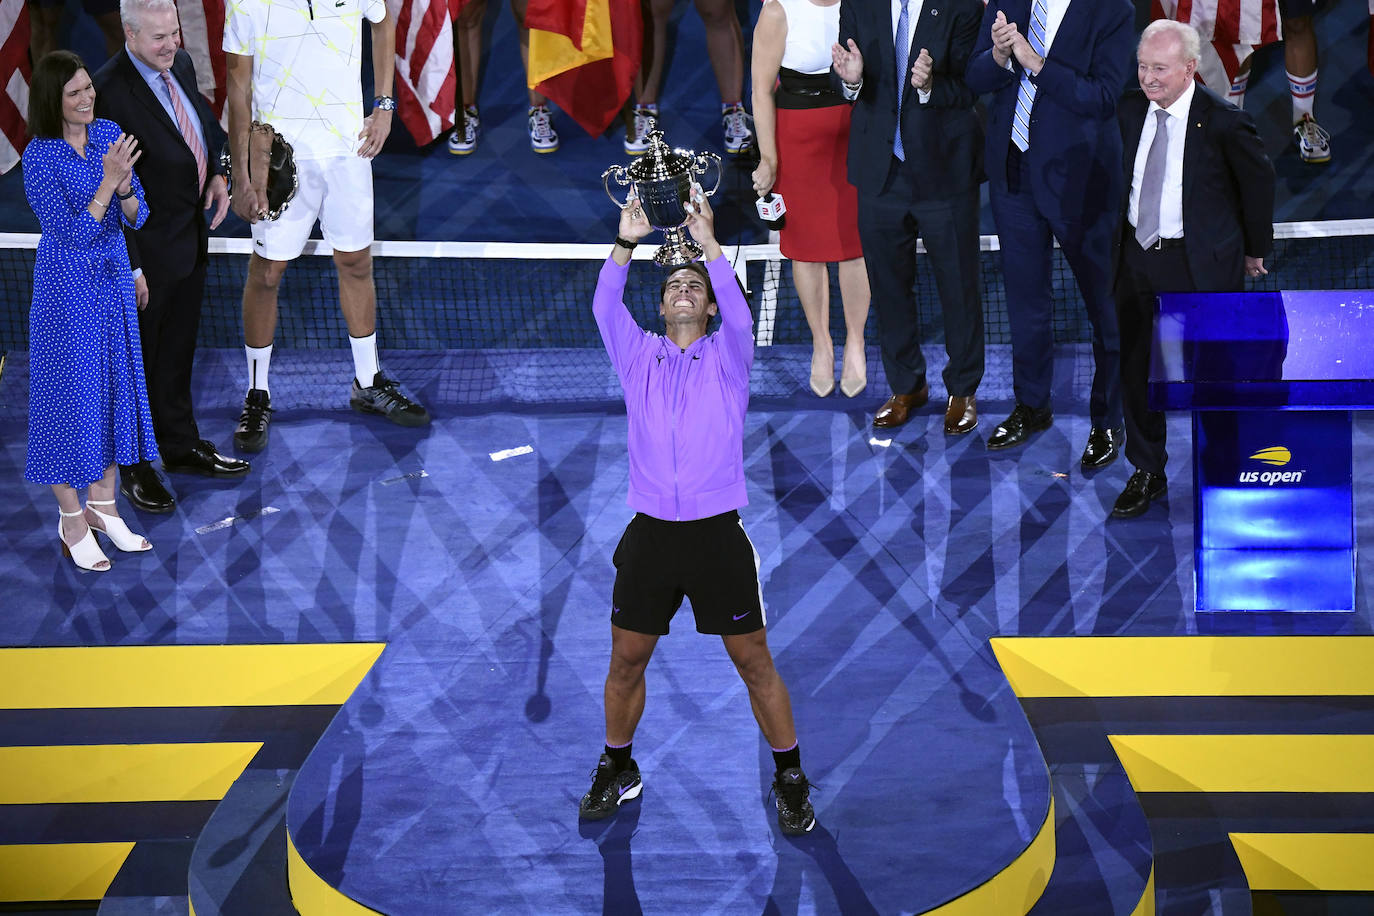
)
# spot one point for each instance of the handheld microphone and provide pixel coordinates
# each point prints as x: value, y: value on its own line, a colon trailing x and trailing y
x: 772, y: 210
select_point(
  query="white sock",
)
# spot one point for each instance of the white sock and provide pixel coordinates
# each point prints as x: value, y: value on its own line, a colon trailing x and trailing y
x: 259, y: 359
x: 1236, y: 94
x: 1304, y: 92
x: 364, y: 358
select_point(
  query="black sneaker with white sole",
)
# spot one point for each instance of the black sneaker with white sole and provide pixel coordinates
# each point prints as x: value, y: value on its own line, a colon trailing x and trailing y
x: 610, y: 789
x: 793, y: 793
x: 384, y: 397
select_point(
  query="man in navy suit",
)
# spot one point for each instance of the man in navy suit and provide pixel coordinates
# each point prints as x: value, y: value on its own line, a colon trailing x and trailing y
x: 149, y: 90
x: 915, y: 156
x: 1055, y: 69
x: 1197, y: 217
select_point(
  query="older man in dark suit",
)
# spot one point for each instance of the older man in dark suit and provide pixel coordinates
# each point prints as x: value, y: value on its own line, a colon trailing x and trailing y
x: 1198, y: 217
x: 149, y: 90
x: 1055, y: 69
x: 915, y: 156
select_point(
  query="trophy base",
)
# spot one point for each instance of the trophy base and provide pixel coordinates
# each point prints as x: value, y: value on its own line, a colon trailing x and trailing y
x: 677, y: 253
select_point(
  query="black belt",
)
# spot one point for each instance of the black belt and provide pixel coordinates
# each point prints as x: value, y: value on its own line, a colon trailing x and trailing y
x: 1163, y: 245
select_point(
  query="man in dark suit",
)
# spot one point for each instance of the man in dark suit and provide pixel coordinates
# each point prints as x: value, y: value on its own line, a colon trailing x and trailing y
x: 1055, y: 69
x: 1198, y: 217
x: 149, y: 90
x: 915, y: 156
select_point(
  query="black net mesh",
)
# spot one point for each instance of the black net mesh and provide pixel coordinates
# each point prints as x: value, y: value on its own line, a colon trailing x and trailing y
x: 519, y: 329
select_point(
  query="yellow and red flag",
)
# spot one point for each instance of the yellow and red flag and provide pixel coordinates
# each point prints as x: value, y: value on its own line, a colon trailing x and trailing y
x: 584, y: 55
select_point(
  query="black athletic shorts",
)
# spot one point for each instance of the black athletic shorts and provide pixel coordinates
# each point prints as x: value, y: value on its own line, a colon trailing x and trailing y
x: 709, y: 561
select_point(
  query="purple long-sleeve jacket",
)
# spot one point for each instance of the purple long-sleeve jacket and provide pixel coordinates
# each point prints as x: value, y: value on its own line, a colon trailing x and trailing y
x: 686, y: 407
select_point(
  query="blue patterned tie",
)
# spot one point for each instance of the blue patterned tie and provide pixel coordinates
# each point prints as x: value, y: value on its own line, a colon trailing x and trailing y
x: 1025, y: 93
x: 903, y: 55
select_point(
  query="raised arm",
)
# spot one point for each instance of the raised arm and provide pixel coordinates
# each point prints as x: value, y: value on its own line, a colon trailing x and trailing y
x: 619, y: 331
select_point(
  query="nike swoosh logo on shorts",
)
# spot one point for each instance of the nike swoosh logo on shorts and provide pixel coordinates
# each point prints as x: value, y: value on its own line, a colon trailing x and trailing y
x: 741, y: 616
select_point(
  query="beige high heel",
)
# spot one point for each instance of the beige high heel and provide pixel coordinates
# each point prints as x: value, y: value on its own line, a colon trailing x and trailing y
x: 113, y: 527
x: 85, y: 553
x: 823, y: 379
x: 853, y: 385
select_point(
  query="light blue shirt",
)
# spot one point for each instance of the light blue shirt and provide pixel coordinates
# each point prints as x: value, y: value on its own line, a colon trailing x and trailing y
x: 159, y: 88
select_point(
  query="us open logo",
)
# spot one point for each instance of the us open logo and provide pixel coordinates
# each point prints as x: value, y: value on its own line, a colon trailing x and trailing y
x: 1275, y: 456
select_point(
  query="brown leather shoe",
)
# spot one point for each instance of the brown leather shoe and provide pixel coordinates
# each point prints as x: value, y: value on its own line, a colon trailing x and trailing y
x: 897, y: 408
x: 961, y: 415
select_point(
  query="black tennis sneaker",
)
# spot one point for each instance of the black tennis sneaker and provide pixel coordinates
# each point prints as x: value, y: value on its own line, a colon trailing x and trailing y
x: 793, y: 792
x: 384, y: 397
x: 251, y: 434
x: 610, y: 789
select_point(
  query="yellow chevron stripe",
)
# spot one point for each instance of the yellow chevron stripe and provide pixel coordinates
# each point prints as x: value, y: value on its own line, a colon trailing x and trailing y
x: 154, y: 676
x: 1179, y: 666
x: 1143, y: 908
x: 311, y: 894
x: 59, y: 871
x: 1014, y: 889
x: 1247, y: 763
x: 1306, y: 861
x: 121, y: 772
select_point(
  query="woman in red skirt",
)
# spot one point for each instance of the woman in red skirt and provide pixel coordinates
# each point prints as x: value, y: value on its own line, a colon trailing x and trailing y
x: 803, y: 136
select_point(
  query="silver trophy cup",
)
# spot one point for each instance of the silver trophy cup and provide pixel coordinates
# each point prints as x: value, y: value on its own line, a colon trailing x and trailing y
x: 662, y: 178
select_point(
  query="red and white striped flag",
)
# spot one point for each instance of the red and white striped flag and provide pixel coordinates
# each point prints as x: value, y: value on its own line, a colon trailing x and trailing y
x: 202, y: 35
x: 1230, y: 31
x: 14, y: 80
x: 424, y: 67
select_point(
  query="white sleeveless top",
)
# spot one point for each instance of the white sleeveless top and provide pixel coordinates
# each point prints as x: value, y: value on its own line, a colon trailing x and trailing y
x: 811, y: 30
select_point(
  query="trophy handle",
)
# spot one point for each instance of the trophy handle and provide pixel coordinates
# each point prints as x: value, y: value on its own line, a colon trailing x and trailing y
x: 701, y: 162
x: 618, y: 173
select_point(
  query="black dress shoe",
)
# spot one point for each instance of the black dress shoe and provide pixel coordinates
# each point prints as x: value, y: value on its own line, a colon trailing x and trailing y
x: 251, y: 434
x: 144, y: 489
x: 1102, y: 448
x: 1018, y: 427
x: 1142, y: 489
x: 202, y: 459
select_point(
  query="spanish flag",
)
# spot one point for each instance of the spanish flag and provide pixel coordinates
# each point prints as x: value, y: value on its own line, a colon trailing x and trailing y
x: 584, y: 55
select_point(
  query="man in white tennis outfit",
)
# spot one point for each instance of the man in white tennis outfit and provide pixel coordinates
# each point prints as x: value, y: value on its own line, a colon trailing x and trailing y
x: 296, y: 65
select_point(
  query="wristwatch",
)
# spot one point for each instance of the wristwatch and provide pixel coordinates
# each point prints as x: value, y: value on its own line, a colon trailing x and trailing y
x: 384, y: 102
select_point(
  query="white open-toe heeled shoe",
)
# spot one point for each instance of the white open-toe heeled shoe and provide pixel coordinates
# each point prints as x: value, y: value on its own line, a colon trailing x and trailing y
x: 113, y: 527
x: 85, y: 553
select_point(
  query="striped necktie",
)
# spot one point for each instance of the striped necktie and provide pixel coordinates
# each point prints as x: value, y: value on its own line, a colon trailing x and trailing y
x: 1025, y: 93
x: 903, y: 49
x: 188, y: 130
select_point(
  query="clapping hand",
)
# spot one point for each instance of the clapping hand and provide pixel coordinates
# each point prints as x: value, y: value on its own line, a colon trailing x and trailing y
x: 921, y: 70
x: 118, y: 162
x: 1003, y: 39
x: 847, y: 61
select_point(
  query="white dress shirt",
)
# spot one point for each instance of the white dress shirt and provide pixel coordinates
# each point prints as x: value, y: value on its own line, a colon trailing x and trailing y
x: 913, y: 13
x: 1171, y: 204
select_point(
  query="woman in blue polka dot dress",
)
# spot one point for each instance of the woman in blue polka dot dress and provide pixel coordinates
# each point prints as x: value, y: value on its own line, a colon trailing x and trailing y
x: 88, y: 402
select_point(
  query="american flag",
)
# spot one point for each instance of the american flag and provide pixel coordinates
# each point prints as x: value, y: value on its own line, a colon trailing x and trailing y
x: 425, y: 76
x: 1230, y: 31
x: 14, y: 76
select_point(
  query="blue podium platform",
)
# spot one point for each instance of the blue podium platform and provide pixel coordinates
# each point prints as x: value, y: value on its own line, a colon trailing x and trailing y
x: 1271, y: 379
